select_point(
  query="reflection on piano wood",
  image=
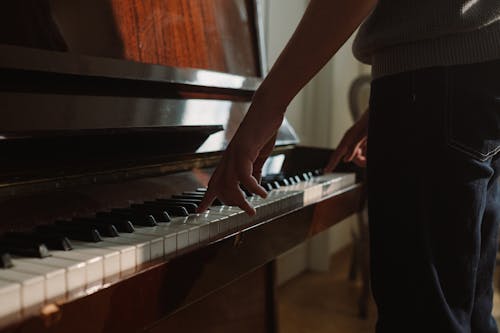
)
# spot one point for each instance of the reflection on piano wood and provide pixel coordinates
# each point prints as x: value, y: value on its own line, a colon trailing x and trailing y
x: 103, y: 163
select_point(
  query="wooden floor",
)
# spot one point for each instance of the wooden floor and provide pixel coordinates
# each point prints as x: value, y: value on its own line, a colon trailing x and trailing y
x: 326, y: 302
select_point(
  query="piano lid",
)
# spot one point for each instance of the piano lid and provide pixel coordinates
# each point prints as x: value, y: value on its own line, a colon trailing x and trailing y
x: 77, y: 109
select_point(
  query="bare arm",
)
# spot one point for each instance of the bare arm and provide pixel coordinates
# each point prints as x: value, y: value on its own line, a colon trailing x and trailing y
x: 324, y: 28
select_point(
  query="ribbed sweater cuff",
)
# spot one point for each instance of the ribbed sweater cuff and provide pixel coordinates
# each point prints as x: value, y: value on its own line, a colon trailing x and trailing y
x: 464, y: 48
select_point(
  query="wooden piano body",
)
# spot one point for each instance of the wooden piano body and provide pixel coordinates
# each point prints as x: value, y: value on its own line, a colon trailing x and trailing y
x: 105, y: 104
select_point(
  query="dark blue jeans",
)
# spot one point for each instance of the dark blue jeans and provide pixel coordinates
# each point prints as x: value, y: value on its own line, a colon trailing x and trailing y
x: 434, y: 198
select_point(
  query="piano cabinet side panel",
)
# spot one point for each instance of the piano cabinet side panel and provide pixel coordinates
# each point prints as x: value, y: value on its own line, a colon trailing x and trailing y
x: 244, y: 306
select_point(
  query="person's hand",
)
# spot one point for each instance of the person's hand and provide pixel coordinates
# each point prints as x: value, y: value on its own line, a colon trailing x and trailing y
x: 262, y: 157
x: 241, y: 164
x: 352, y: 147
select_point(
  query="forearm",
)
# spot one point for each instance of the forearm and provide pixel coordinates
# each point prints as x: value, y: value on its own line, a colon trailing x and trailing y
x: 324, y: 28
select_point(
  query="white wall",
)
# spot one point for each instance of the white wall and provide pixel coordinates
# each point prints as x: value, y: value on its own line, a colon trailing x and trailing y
x: 281, y: 19
x: 320, y: 116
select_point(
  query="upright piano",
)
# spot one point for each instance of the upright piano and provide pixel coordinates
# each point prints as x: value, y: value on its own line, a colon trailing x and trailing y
x: 113, y: 114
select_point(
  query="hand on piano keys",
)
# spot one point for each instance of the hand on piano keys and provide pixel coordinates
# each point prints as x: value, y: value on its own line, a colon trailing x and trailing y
x: 245, y: 155
x: 68, y: 259
x: 353, y: 146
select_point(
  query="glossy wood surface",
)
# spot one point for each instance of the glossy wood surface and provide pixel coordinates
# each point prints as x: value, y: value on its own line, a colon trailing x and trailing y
x: 155, y: 293
x: 209, y: 34
x: 230, y: 309
x: 30, y: 23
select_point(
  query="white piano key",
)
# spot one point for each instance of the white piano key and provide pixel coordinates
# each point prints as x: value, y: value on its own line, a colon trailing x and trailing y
x: 55, y: 278
x: 236, y: 217
x: 170, y: 244
x: 32, y: 288
x: 110, y: 258
x: 155, y: 243
x: 171, y: 239
x: 94, y: 265
x: 186, y: 234
x: 126, y: 254
x: 75, y: 272
x: 208, y: 224
x: 322, y: 186
x: 142, y: 248
x: 193, y: 232
x: 228, y: 218
x: 10, y: 299
x: 177, y: 224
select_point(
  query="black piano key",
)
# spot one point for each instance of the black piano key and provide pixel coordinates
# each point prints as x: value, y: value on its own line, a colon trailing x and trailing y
x: 247, y: 192
x: 190, y: 207
x: 52, y: 242
x: 83, y: 225
x: 291, y: 181
x: 196, y: 200
x: 268, y: 186
x: 57, y: 242
x: 201, y: 189
x: 276, y: 184
x: 187, y: 200
x: 5, y: 259
x: 76, y: 232
x: 283, y: 182
x: 173, y: 210
x: 134, y: 216
x: 297, y: 179
x: 310, y: 174
x: 160, y: 215
x: 304, y: 176
x: 318, y: 172
x: 187, y: 197
x: 121, y: 224
x: 25, y: 247
x: 105, y: 229
x: 194, y: 193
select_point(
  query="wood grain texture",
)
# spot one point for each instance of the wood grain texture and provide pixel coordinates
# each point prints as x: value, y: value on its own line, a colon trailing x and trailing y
x: 208, y: 34
x: 215, y: 34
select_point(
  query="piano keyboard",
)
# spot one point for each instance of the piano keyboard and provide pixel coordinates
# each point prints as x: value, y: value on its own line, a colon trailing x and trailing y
x: 73, y: 258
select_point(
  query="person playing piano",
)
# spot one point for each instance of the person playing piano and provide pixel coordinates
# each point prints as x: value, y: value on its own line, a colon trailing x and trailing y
x: 433, y: 162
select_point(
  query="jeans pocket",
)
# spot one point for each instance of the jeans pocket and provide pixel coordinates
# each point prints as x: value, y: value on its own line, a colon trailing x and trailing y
x: 473, y: 115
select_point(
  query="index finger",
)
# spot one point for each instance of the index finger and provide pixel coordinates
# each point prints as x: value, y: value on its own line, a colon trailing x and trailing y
x: 207, y: 200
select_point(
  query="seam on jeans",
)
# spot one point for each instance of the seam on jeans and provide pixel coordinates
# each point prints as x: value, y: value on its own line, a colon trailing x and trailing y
x: 447, y: 116
x: 474, y: 153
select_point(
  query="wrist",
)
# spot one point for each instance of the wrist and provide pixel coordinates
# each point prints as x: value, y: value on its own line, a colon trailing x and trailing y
x: 269, y: 96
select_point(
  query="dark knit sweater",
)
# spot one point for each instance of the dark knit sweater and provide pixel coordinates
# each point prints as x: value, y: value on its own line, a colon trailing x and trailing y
x: 403, y: 35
